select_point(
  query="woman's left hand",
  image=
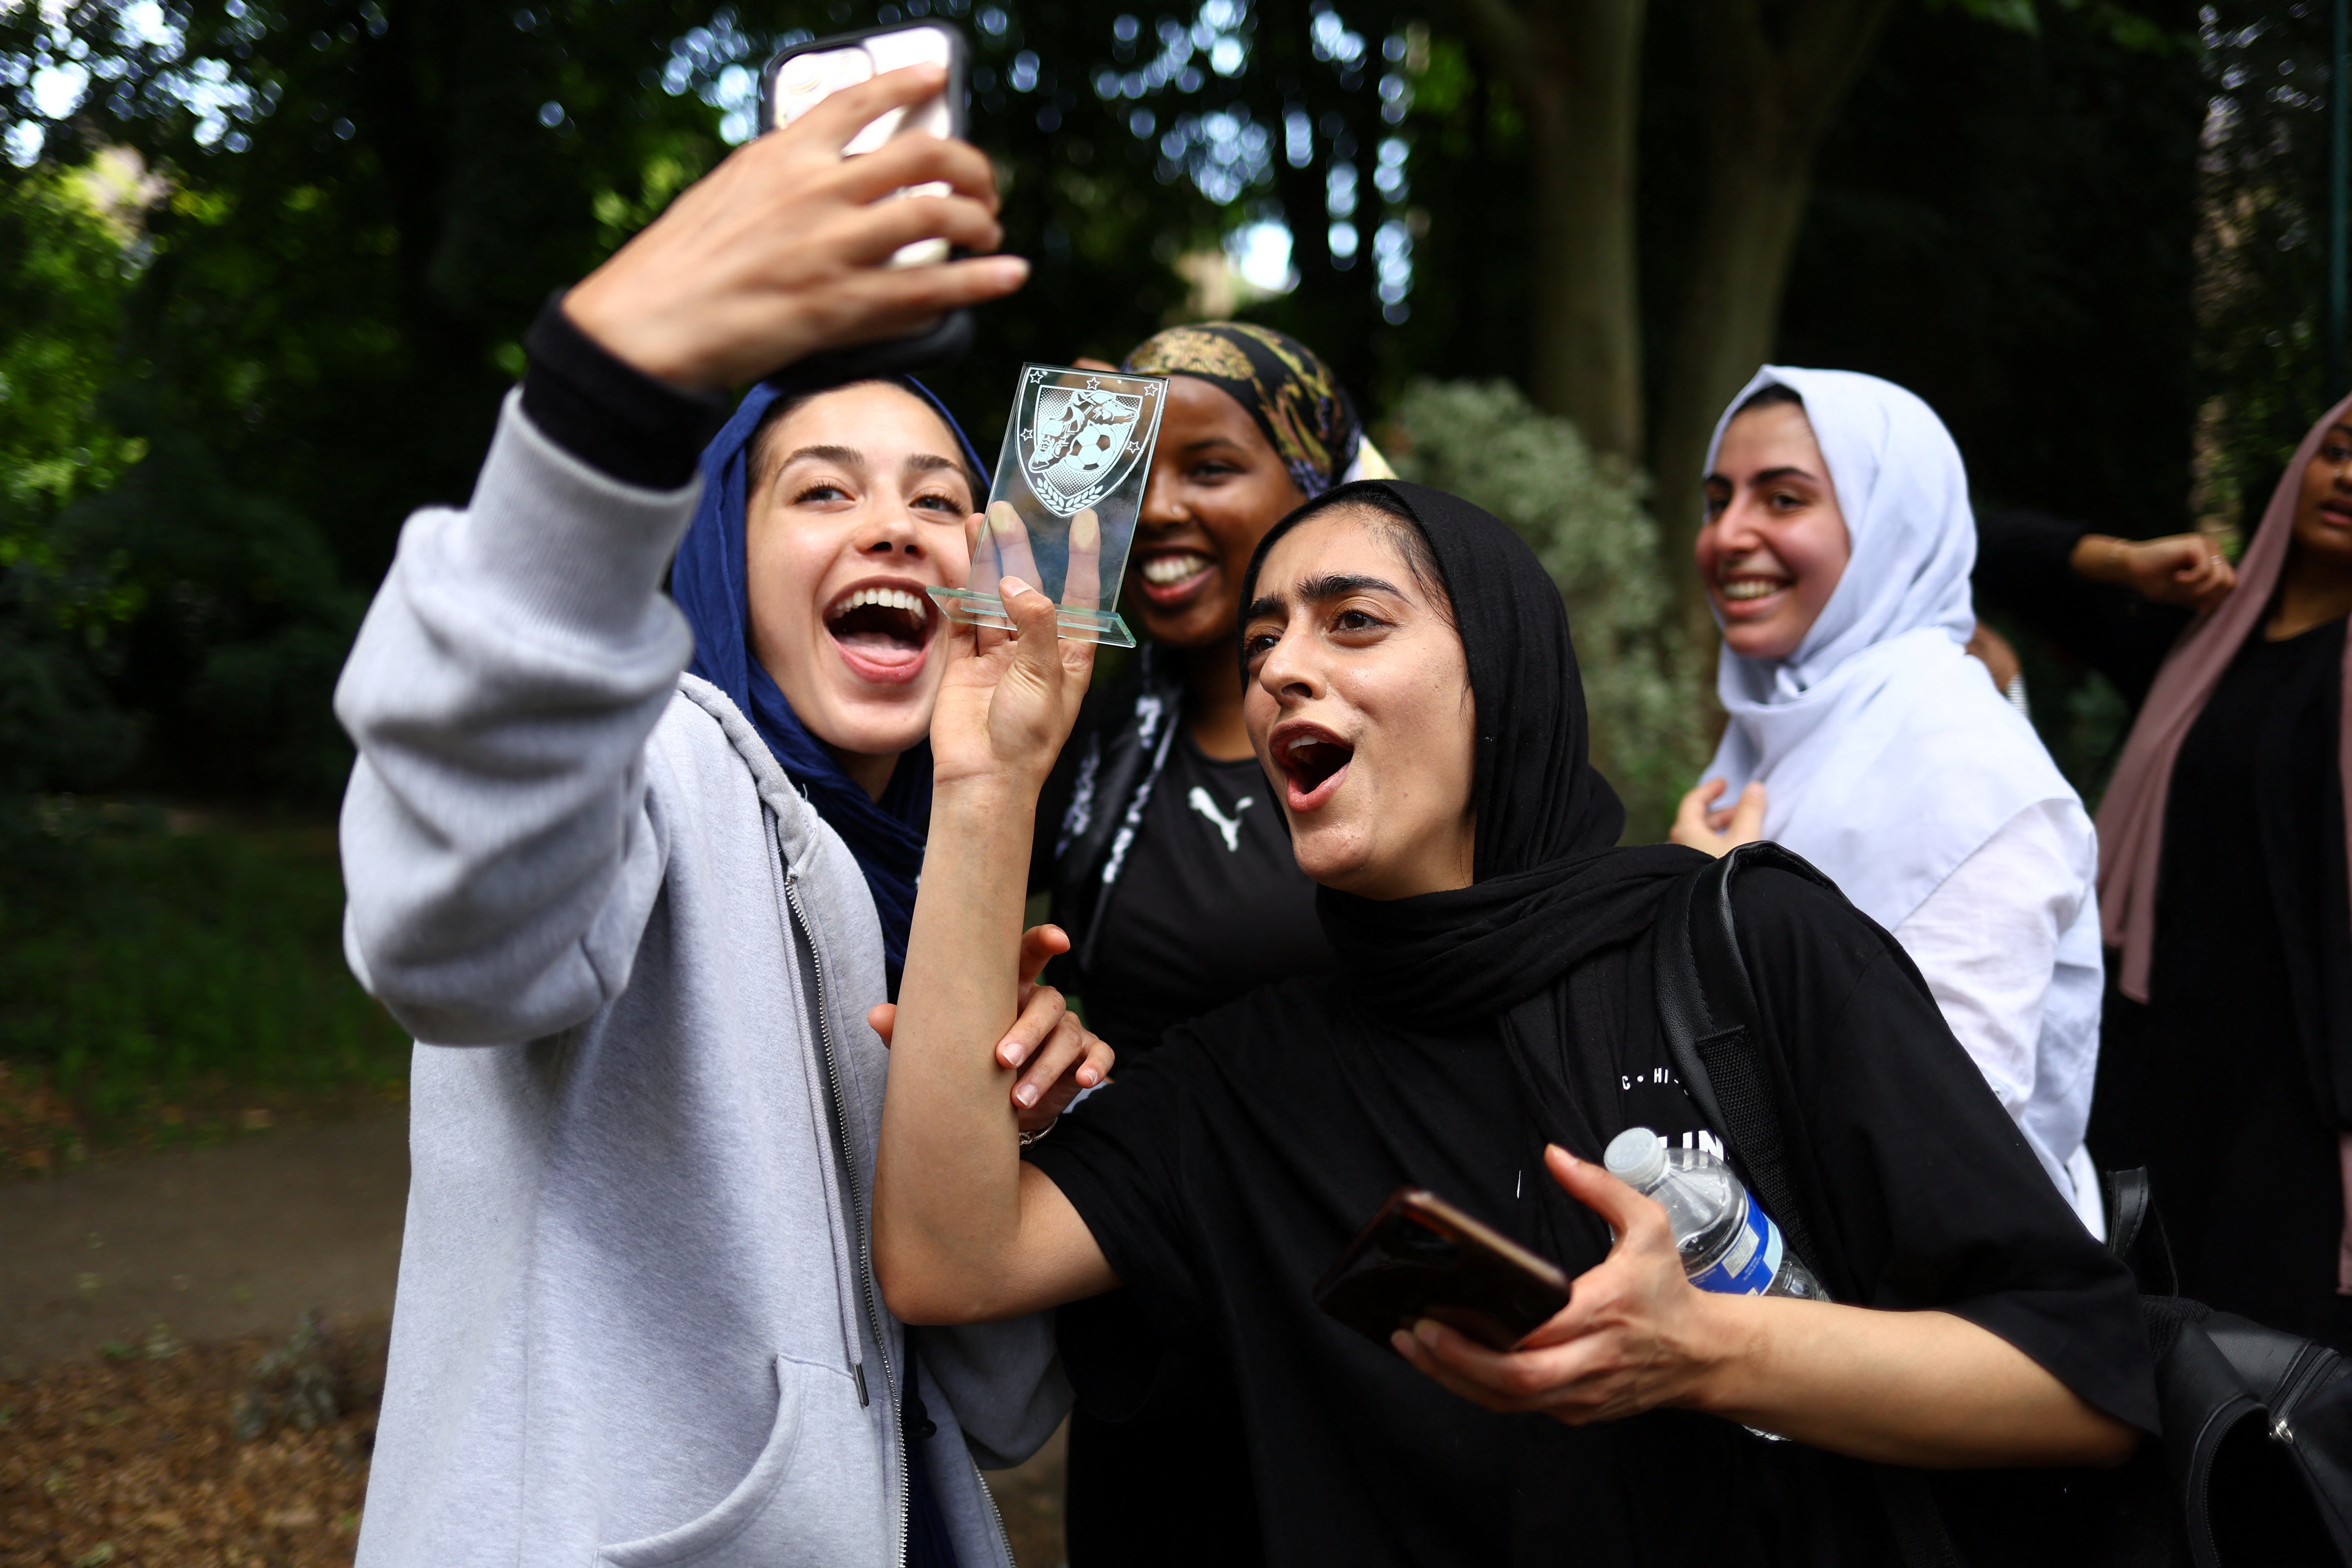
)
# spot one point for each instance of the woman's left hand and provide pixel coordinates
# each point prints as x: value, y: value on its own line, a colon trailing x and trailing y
x: 1063, y: 1060
x: 1636, y: 1334
x: 1718, y: 830
x: 1007, y: 702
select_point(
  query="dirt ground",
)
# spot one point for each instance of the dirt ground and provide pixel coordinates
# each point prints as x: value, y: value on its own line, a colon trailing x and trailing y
x: 215, y: 1243
x: 159, y: 1404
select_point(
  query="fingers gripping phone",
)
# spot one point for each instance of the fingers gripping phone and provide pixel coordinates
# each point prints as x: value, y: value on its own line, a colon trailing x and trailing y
x: 1420, y: 1258
x: 799, y: 79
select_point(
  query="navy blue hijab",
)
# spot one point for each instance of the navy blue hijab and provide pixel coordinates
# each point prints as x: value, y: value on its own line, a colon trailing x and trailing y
x: 708, y: 581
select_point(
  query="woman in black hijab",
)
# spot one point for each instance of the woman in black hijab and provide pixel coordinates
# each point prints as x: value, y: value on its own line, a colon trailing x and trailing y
x: 1413, y: 697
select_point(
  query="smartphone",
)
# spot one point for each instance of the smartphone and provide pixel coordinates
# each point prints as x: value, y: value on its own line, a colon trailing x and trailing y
x: 1420, y: 1258
x: 804, y: 75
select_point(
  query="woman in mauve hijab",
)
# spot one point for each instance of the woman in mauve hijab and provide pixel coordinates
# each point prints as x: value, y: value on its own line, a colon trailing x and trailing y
x: 2226, y: 1068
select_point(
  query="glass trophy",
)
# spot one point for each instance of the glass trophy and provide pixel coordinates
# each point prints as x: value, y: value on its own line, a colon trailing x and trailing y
x: 1061, y: 510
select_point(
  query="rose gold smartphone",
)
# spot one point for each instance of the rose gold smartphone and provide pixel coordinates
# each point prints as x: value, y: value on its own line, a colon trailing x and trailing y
x: 1420, y: 1258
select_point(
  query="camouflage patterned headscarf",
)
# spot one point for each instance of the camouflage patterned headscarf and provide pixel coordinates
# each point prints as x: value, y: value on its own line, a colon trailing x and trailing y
x: 1291, y: 393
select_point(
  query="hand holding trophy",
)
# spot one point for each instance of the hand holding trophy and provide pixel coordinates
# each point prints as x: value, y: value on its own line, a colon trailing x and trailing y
x: 1061, y: 511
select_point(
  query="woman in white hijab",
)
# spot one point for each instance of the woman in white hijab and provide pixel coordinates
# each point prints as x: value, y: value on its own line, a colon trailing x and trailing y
x: 1836, y: 551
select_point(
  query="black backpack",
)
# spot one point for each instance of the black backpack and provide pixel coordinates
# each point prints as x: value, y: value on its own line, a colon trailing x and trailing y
x: 2255, y: 1463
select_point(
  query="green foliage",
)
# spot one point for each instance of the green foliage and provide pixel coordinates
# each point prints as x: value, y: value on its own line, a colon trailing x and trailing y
x: 135, y: 563
x: 65, y: 265
x: 246, y: 624
x: 1584, y: 517
x: 2126, y: 27
x: 300, y: 326
x: 57, y: 724
x: 143, y: 968
x: 2262, y: 252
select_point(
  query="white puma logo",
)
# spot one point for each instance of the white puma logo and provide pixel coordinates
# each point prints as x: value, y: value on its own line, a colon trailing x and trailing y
x: 1230, y: 826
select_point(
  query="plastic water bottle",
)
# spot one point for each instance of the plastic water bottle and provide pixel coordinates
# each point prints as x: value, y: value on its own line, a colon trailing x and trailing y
x: 1728, y: 1244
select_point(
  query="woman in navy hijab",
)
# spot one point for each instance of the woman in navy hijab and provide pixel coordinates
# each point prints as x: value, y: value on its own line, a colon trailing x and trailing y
x: 825, y: 516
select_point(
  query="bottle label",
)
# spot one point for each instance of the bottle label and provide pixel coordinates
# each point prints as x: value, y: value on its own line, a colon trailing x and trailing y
x: 1751, y: 1264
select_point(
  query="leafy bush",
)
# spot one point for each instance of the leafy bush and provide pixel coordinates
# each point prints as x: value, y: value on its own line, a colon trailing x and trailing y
x: 163, y: 983
x: 64, y: 275
x: 162, y: 622
x: 242, y: 622
x: 1583, y: 515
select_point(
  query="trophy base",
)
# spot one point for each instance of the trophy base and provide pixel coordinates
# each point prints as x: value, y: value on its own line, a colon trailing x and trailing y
x: 1075, y: 625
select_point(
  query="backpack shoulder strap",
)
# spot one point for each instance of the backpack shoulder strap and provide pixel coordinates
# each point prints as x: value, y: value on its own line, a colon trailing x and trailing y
x: 1707, y: 1010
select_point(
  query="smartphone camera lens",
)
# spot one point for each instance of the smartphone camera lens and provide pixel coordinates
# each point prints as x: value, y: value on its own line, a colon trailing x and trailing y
x: 802, y: 74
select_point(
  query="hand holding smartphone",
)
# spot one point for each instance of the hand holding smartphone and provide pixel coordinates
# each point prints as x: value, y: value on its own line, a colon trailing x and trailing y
x: 804, y: 76
x: 799, y: 79
x: 1420, y: 1258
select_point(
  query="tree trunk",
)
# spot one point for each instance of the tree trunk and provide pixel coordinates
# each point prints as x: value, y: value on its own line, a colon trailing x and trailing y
x: 1724, y: 329
x: 1574, y: 67
x: 1770, y: 101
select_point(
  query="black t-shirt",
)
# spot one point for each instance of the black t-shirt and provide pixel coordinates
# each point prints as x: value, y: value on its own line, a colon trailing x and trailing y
x: 1208, y: 905
x: 1223, y: 1173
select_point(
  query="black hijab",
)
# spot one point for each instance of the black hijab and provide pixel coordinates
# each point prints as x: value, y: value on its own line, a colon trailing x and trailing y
x: 1551, y: 894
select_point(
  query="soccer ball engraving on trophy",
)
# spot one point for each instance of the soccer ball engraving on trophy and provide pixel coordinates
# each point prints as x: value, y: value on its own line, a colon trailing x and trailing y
x: 1062, y: 508
x: 1081, y: 442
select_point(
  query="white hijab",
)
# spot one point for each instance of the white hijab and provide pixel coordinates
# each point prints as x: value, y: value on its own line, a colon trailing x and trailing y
x: 1887, y: 755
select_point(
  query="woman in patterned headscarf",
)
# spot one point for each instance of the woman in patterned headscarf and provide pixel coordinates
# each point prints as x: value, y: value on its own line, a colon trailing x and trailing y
x: 1170, y: 869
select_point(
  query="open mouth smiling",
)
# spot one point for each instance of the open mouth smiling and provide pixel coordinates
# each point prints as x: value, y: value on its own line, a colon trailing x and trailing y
x: 1172, y: 577
x: 883, y: 628
x: 1313, y: 763
x: 1745, y: 590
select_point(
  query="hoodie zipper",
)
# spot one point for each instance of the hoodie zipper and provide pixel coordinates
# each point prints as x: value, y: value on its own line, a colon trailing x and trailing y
x: 863, y: 1245
x: 1003, y: 1536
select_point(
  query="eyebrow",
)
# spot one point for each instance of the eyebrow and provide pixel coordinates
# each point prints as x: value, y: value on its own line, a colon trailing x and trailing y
x: 1785, y: 471
x: 1323, y: 590
x: 848, y: 456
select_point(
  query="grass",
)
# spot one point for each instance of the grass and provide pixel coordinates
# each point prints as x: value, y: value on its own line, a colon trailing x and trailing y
x: 166, y: 981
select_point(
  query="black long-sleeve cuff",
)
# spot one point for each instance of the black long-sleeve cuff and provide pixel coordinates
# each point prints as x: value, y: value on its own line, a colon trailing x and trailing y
x: 2033, y: 540
x: 607, y: 412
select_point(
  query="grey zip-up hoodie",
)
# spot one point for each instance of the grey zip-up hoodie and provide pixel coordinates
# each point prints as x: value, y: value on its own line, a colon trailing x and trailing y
x: 637, y: 1322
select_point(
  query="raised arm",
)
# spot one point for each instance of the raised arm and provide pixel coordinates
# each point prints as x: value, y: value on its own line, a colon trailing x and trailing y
x: 963, y: 1230
x: 499, y: 855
